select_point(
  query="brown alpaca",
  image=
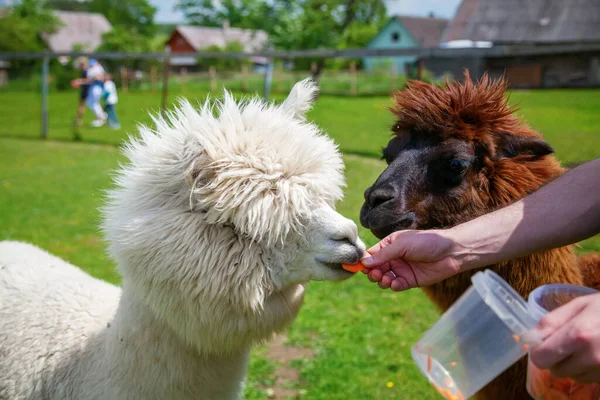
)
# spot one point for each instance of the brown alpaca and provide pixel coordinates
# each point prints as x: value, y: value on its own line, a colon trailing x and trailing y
x: 457, y: 152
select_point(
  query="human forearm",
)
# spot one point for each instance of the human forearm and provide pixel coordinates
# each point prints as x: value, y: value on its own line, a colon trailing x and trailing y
x: 563, y: 212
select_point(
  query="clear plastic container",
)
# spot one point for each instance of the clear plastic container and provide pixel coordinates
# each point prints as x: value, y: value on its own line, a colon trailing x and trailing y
x: 540, y: 383
x: 478, y: 337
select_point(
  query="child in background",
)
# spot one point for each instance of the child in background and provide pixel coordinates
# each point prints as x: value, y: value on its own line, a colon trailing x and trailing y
x: 95, y: 77
x: 110, y: 98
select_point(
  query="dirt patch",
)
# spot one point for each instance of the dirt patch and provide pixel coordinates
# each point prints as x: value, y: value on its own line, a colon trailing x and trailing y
x: 285, y: 375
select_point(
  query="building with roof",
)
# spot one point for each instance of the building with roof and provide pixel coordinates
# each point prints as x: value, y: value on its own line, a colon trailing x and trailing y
x: 536, y: 24
x: 540, y: 22
x: 189, y: 39
x: 81, y: 30
x: 404, y: 32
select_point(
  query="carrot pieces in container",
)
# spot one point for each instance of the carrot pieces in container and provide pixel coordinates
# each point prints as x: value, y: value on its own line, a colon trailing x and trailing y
x: 541, y: 385
x: 448, y: 395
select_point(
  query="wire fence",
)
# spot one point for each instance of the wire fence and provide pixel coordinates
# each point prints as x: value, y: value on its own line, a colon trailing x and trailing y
x: 163, y: 76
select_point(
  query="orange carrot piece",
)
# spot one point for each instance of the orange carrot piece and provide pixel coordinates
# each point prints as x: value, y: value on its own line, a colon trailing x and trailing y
x: 428, y: 363
x: 517, y: 338
x: 353, y: 267
x: 453, y: 364
x: 525, y: 347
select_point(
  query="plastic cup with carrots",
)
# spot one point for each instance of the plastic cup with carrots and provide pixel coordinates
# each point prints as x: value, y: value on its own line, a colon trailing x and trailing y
x: 487, y: 330
x: 541, y: 385
x: 478, y: 337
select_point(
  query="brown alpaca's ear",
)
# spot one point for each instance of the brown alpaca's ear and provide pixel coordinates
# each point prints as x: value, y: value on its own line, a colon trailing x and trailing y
x: 510, y: 146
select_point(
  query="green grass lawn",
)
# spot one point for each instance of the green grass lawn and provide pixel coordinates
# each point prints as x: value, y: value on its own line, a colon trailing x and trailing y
x: 50, y: 193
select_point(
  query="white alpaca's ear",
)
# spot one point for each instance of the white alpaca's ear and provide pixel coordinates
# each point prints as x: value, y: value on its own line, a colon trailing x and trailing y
x: 301, y: 98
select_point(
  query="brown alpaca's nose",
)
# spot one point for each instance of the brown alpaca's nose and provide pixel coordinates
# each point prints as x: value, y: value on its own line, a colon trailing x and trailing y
x: 375, y: 197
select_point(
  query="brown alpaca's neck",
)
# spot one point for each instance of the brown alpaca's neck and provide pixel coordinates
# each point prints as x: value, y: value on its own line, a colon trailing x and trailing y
x: 524, y: 274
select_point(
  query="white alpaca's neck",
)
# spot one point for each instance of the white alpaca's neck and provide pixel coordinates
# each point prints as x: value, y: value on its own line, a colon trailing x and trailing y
x: 139, y: 356
x: 145, y: 359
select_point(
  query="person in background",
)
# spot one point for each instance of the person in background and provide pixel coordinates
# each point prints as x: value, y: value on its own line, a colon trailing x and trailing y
x: 83, y: 90
x: 95, y: 78
x: 565, y: 211
x: 110, y: 97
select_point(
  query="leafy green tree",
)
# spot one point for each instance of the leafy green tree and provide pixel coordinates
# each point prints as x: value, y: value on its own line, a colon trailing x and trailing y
x: 133, y: 14
x: 239, y: 13
x: 137, y: 15
x: 296, y: 24
x: 21, y: 29
x: 124, y: 39
x: 223, y: 64
x: 22, y: 26
x: 320, y: 24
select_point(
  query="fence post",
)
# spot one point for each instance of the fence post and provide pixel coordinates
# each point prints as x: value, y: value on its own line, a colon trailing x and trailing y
x: 45, y: 68
x: 165, y: 91
x: 268, y: 80
x: 419, y: 69
x: 124, y: 86
x: 244, y: 77
x: 353, y: 78
x: 394, y: 76
x: 278, y: 77
x: 183, y: 79
x: 152, y: 78
x: 212, y: 75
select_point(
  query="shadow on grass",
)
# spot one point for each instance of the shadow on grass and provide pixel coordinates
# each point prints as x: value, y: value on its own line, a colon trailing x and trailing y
x: 76, y: 139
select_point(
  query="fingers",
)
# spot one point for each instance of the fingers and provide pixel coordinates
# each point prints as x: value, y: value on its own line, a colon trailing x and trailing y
x: 559, y: 317
x: 399, y: 277
x: 566, y: 332
x: 575, y: 366
x: 389, y: 248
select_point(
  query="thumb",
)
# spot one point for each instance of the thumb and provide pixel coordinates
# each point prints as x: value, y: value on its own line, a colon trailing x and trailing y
x: 390, y: 248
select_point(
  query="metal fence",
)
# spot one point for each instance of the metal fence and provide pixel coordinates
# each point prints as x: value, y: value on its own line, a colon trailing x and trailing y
x: 525, y: 66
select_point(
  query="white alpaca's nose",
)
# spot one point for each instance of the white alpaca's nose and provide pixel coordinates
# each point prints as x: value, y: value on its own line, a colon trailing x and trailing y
x: 347, y: 232
x: 337, y: 238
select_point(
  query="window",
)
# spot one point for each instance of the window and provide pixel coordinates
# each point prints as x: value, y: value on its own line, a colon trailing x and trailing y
x: 395, y: 36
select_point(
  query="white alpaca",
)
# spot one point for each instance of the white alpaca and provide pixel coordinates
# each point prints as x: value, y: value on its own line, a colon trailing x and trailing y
x: 216, y: 223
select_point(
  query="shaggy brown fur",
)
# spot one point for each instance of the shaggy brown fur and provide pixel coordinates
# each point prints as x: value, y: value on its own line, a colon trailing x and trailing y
x: 507, y: 168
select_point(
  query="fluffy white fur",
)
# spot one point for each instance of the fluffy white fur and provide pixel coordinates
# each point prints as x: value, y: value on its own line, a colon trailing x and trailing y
x: 216, y: 223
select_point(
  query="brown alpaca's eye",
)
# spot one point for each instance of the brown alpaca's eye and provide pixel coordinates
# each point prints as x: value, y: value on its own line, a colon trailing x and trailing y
x: 458, y: 166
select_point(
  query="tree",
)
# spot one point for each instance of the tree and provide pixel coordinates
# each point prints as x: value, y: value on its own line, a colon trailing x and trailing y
x: 18, y: 34
x: 21, y: 27
x: 320, y: 24
x: 134, y: 14
x: 239, y: 13
x: 137, y: 15
x: 223, y: 64
x: 295, y: 24
x: 125, y: 40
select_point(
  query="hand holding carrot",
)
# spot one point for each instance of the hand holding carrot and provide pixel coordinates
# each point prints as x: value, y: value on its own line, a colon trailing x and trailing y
x: 409, y: 259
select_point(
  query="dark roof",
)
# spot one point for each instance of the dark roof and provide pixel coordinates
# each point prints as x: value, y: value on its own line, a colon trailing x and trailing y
x: 533, y: 21
x: 455, y: 30
x: 77, y: 28
x: 200, y: 37
x: 427, y: 31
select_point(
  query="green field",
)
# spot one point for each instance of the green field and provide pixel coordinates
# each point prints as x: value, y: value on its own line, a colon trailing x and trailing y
x: 361, y: 336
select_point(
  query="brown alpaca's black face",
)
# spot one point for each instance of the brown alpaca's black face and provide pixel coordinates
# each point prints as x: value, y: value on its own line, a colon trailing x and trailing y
x: 428, y: 183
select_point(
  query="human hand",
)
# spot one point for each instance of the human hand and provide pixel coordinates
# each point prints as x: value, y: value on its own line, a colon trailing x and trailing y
x: 409, y: 259
x: 572, y: 345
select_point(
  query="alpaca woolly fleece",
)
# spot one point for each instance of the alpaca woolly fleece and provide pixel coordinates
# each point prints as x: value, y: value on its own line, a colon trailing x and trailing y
x: 217, y: 221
